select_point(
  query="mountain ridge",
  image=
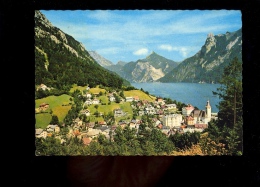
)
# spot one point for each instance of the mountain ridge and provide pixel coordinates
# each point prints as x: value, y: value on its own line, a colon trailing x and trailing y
x: 208, y: 63
x: 149, y: 69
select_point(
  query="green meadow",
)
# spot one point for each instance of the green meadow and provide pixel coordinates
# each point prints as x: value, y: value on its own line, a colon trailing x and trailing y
x: 59, y: 105
x: 140, y: 94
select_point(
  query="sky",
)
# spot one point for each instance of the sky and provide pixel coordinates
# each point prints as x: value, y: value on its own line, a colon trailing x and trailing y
x: 129, y: 35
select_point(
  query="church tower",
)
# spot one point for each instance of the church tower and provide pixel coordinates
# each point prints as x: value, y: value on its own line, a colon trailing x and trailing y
x: 208, y: 110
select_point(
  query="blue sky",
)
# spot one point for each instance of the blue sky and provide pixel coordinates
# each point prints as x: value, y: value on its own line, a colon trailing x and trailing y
x: 129, y: 35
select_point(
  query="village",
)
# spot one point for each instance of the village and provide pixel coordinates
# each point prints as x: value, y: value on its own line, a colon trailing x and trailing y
x: 165, y: 117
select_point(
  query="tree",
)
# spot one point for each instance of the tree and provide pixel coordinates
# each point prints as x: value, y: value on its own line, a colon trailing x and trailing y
x: 96, y: 107
x: 54, y: 120
x: 230, y: 107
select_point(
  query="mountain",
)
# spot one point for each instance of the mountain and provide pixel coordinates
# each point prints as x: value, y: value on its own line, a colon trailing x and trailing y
x: 149, y: 69
x: 207, y: 65
x: 99, y: 59
x: 61, y: 61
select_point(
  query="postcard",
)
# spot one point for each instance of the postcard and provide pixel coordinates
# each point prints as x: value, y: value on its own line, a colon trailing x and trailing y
x: 138, y: 83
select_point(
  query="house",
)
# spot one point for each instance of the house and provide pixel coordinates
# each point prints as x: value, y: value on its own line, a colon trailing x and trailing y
x: 159, y: 112
x: 171, y: 106
x: 102, y: 123
x: 90, y: 125
x: 95, y: 101
x: 78, y: 122
x: 122, y: 124
x: 40, y: 133
x: 44, y: 106
x: 187, y: 110
x: 118, y: 112
x: 53, y: 128
x: 112, y: 98
x: 150, y: 110
x: 76, y: 133
x: 88, y: 102
x: 172, y: 120
x: 136, y: 98
x: 103, y: 127
x: 191, y: 130
x: 132, y: 125
x: 141, y: 112
x: 129, y: 99
x: 93, y: 133
x: 86, y: 140
x: 85, y: 112
x: 43, y: 87
x: 157, y: 122
x: 189, y: 120
x: 201, y: 126
x: 88, y: 95
x: 159, y: 126
x: 159, y: 100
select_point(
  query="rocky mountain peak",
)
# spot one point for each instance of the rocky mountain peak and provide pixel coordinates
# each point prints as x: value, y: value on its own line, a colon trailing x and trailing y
x: 208, y: 63
x: 209, y: 44
x: 41, y: 18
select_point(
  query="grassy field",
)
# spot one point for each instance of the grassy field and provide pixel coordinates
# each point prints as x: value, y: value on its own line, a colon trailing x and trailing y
x: 96, y: 90
x: 75, y: 87
x: 55, y: 104
x: 140, y: 94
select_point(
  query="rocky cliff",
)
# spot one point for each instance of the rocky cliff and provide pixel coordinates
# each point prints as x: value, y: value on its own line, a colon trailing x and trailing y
x: 207, y: 64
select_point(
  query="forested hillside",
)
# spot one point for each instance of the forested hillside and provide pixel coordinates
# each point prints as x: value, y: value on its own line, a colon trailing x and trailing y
x: 61, y: 61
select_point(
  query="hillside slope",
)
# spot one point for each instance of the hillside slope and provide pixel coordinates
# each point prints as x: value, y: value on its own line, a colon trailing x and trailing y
x: 61, y: 61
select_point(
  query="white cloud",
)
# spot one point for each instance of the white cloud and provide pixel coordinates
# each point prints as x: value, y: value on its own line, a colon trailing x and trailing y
x: 184, y: 51
x: 142, y: 51
x: 167, y: 47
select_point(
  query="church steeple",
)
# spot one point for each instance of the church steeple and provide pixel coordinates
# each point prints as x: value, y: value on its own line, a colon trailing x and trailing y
x: 208, y: 110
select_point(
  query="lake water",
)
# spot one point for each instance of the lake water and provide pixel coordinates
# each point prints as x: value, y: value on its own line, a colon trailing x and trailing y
x: 189, y: 93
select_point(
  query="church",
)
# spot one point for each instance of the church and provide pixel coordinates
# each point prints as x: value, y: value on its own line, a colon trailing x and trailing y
x: 197, y: 117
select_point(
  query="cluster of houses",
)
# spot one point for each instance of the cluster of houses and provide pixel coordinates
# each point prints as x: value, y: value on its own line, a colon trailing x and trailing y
x: 190, y: 120
x: 164, y: 117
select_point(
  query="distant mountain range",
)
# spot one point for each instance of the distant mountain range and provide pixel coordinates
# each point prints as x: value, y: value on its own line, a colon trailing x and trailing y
x: 149, y: 69
x: 205, y: 66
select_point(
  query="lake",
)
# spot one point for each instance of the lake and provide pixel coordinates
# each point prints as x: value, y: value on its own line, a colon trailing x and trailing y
x: 189, y: 93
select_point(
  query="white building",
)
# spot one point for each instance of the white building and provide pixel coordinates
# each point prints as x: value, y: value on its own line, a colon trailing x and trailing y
x: 112, y: 98
x: 171, y: 106
x: 88, y: 95
x: 40, y: 133
x: 95, y: 101
x: 129, y: 99
x: 88, y: 102
x: 172, y: 120
x: 187, y: 110
x: 150, y: 110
